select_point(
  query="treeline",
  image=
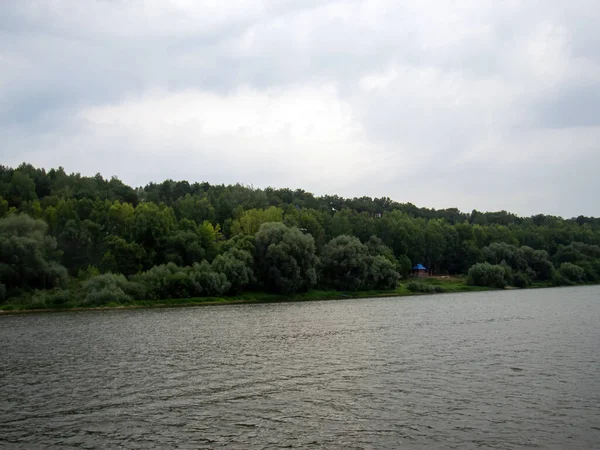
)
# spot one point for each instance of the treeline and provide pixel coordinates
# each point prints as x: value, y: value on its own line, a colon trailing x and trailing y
x: 92, y: 240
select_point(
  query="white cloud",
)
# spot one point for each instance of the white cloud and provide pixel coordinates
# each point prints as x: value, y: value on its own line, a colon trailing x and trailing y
x: 478, y: 103
x: 296, y: 136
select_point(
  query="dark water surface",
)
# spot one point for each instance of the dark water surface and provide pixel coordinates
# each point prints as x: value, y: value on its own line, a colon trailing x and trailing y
x: 512, y: 369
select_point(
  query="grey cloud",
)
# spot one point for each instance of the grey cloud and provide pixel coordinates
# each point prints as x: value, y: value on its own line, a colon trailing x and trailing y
x: 573, y: 106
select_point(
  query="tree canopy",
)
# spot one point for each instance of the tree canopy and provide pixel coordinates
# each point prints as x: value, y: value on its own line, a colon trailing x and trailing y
x: 178, y: 238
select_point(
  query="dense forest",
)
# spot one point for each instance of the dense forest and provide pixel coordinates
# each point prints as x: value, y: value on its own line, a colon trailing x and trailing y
x: 71, y: 239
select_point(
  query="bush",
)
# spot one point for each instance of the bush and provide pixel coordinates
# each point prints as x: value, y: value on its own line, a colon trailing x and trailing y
x: 107, y: 288
x: 571, y: 273
x: 415, y: 286
x: 87, y: 273
x: 521, y: 280
x: 105, y: 296
x: 167, y: 281
x: 591, y: 272
x: 285, y: 258
x: 382, y: 273
x: 486, y: 274
x: 236, y: 265
x: 210, y: 282
x: 345, y: 263
x: 3, y: 293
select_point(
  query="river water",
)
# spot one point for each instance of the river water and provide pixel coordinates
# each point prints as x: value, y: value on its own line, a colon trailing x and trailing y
x: 510, y: 369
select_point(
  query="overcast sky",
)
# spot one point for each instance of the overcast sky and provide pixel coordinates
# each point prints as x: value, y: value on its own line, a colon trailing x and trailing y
x: 477, y: 104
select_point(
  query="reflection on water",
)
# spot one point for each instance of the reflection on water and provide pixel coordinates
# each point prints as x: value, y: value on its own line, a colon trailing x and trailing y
x: 483, y: 370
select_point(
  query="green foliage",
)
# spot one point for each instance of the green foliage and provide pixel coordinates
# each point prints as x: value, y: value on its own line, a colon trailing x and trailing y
x: 230, y: 239
x: 521, y: 280
x: 486, y: 274
x: 416, y: 286
x: 404, y: 265
x: 250, y: 221
x: 152, y: 223
x: 107, y: 288
x: 87, y: 273
x: 382, y: 273
x: 285, y: 258
x: 236, y: 264
x: 498, y: 252
x: 122, y: 256
x: 54, y: 298
x: 21, y: 189
x: 345, y: 263
x: 184, y: 247
x: 539, y: 262
x: 207, y: 281
x: 28, y: 255
x: 195, y: 208
x: 570, y: 273
x: 3, y: 207
x: 167, y: 281
x: 576, y: 252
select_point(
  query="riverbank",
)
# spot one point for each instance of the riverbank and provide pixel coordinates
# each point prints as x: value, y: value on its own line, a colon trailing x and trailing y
x: 408, y: 288
x: 420, y: 286
x: 423, y: 286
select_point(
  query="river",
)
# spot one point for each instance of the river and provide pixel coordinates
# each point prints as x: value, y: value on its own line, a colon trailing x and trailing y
x: 509, y: 369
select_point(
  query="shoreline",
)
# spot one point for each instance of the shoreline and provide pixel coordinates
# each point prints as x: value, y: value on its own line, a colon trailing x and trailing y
x: 451, y: 287
x: 189, y: 303
x: 261, y: 297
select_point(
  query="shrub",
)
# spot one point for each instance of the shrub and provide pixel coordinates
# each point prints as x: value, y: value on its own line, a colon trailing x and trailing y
x: 285, y: 258
x: 167, y: 281
x: 571, y: 273
x: 591, y: 272
x: 521, y: 280
x: 87, y: 273
x: 345, y: 263
x: 208, y: 281
x: 106, y: 288
x: 105, y: 296
x: 415, y: 286
x: 382, y: 273
x: 485, y: 274
x: 236, y: 265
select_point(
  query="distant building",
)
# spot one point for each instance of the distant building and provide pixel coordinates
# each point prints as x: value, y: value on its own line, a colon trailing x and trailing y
x: 419, y: 271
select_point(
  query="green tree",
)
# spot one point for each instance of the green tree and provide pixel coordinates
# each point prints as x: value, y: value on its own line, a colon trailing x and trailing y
x: 195, y: 207
x: 208, y: 281
x: 236, y: 264
x: 75, y: 243
x: 108, y: 288
x: 285, y: 258
x: 382, y: 273
x: 345, y: 263
x: 486, y: 274
x: 250, y: 221
x: 152, y: 223
x: 28, y: 256
x: 571, y: 273
x: 21, y: 189
x: 122, y: 256
x: 3, y: 207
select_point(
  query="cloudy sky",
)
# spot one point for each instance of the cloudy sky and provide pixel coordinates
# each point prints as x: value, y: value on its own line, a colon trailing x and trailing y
x: 480, y: 104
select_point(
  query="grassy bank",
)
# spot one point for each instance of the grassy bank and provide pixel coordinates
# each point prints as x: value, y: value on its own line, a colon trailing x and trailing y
x: 408, y: 287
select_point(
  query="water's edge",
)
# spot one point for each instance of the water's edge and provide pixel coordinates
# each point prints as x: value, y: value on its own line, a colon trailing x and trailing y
x: 335, y: 295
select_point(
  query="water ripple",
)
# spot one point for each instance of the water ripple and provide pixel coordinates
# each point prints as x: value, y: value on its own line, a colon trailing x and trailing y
x: 500, y: 370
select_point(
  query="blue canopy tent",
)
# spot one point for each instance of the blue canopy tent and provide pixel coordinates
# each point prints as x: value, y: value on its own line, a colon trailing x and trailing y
x: 419, y: 270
